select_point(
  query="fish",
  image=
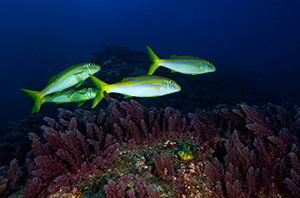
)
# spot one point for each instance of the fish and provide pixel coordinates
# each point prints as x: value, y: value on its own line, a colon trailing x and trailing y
x: 73, y: 75
x: 73, y: 95
x: 183, y: 64
x: 138, y: 86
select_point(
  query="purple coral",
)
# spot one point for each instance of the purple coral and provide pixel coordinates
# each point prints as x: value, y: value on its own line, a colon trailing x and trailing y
x: 255, y: 150
x: 256, y: 159
x: 163, y: 165
x: 67, y: 155
x: 294, y: 183
x: 9, y: 177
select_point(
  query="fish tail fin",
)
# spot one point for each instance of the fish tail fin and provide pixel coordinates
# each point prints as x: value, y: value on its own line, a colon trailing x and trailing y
x: 154, y: 58
x: 36, y: 96
x: 101, y: 86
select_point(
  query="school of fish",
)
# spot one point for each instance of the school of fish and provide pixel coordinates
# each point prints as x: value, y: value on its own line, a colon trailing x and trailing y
x: 64, y: 87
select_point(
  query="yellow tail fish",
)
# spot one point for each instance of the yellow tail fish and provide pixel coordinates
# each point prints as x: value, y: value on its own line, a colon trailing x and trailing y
x: 139, y: 86
x: 183, y: 64
x: 74, y: 95
x: 73, y: 75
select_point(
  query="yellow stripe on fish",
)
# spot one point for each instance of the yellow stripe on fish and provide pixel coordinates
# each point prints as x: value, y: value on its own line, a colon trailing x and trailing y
x: 74, y: 95
x: 73, y: 75
x: 183, y: 64
x: 139, y: 86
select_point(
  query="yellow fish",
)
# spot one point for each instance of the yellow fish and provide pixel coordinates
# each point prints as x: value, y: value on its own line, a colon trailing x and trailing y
x: 73, y: 75
x: 139, y: 86
x: 74, y: 95
x: 183, y: 64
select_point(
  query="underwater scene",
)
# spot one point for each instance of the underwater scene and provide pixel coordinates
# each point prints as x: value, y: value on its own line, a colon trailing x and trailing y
x: 138, y: 99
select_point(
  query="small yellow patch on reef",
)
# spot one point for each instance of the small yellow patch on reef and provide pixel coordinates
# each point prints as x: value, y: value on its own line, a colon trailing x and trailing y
x: 185, y: 154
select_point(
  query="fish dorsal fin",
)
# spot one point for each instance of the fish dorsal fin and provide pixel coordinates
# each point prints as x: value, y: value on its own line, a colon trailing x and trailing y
x: 174, y: 56
x: 52, y: 78
x: 136, y: 78
x: 124, y: 79
x: 127, y: 78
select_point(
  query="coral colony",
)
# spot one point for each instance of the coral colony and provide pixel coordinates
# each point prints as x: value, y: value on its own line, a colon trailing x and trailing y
x: 130, y: 150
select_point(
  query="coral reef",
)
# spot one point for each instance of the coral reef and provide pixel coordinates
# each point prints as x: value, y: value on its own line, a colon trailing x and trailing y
x: 262, y: 146
x: 132, y: 151
x: 68, y: 156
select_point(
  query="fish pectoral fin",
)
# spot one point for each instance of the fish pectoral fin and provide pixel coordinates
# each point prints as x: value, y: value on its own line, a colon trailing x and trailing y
x: 127, y: 96
x: 80, y: 104
x: 173, y: 71
x: 79, y: 72
x: 80, y: 83
x: 72, y: 95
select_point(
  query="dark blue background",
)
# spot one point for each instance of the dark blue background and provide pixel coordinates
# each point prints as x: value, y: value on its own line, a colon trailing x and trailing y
x: 255, y: 41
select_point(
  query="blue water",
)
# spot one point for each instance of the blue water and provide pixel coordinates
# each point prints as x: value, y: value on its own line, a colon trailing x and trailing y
x: 255, y: 41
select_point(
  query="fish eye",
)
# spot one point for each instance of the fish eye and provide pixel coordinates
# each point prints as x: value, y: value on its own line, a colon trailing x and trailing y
x: 171, y: 82
x: 209, y: 63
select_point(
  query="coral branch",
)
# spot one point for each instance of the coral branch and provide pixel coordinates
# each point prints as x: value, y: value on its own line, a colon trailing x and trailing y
x: 9, y: 178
